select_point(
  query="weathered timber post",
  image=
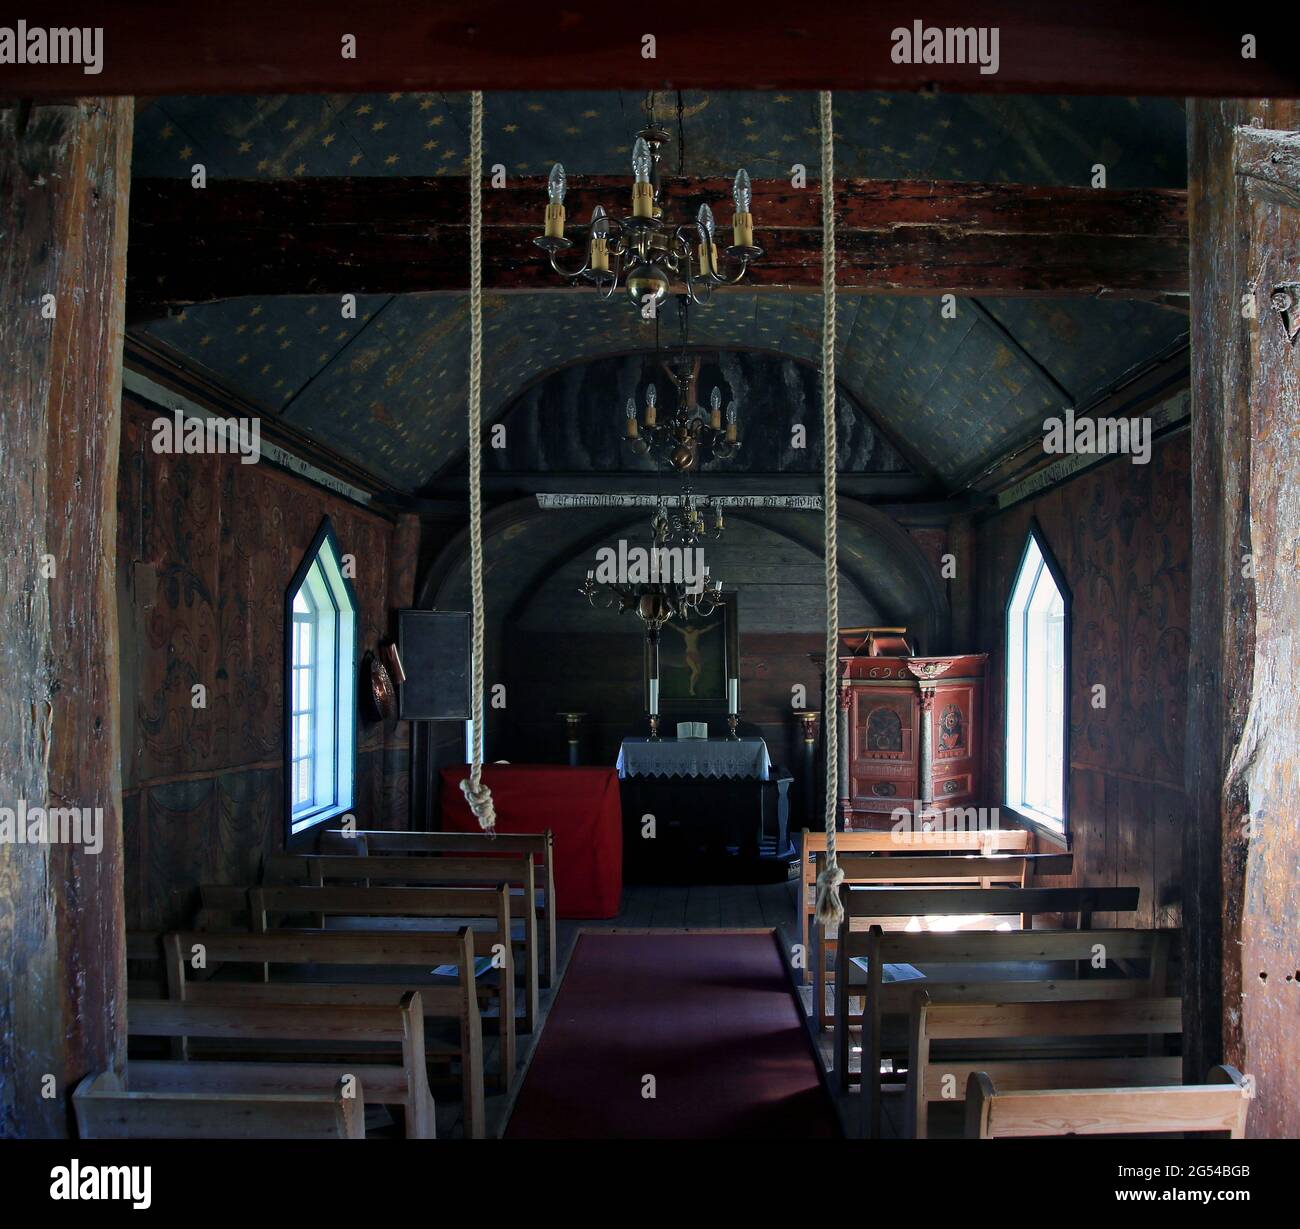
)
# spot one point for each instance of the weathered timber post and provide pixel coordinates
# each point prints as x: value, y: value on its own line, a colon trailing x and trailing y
x: 64, y: 182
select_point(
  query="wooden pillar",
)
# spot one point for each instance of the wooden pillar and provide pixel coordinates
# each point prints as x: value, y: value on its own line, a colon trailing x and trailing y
x: 64, y: 181
x: 1241, y: 853
x: 925, y: 718
x: 400, y: 787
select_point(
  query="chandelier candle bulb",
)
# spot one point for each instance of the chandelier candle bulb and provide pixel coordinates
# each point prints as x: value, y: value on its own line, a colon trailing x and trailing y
x: 643, y: 192
x: 708, y: 257
x: 650, y: 411
x: 631, y: 419
x: 715, y: 414
x: 555, y: 189
x: 742, y: 224
x: 731, y: 423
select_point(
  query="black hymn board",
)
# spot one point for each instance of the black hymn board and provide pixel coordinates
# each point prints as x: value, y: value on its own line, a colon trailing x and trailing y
x: 435, y: 650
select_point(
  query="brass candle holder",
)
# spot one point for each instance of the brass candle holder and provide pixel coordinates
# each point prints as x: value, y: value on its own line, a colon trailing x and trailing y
x: 733, y: 721
x: 654, y: 728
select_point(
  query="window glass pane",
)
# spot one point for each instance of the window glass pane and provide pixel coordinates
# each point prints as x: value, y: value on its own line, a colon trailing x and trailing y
x: 1036, y: 716
x: 321, y: 703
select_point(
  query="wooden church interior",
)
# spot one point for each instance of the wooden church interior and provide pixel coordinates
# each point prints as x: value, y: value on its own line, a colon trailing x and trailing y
x: 1046, y: 669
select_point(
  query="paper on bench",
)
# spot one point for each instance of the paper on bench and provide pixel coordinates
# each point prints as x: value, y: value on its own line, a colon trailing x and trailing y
x: 891, y: 972
x: 481, y: 965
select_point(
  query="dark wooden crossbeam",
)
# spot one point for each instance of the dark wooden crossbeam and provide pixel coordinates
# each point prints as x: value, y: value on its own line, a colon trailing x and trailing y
x: 1089, y: 46
x: 399, y: 235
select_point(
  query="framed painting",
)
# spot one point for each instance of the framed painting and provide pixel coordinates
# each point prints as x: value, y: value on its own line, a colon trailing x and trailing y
x: 696, y: 658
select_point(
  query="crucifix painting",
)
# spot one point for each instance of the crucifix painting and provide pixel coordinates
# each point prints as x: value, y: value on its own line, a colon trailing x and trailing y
x: 696, y: 657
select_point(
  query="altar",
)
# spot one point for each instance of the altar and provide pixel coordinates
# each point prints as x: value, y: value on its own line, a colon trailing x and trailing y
x: 701, y: 808
x: 694, y: 757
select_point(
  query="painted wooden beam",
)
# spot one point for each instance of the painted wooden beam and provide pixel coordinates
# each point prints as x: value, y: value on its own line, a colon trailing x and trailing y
x: 380, y: 235
x: 246, y: 46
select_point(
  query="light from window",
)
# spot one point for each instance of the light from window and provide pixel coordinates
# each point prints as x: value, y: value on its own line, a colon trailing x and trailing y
x: 321, y: 699
x: 1036, y: 715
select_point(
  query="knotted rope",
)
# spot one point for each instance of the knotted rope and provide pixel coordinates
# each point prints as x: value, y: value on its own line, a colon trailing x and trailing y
x: 829, y: 909
x: 478, y: 795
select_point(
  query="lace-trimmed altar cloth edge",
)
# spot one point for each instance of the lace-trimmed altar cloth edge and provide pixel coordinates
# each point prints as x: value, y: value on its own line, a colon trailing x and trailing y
x: 694, y: 757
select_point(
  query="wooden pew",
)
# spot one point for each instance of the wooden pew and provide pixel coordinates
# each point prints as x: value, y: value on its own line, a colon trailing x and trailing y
x: 952, y: 870
x: 1064, y: 1061
x: 541, y: 845
x: 360, y: 906
x: 517, y: 871
x: 409, y: 958
x: 863, y: 905
x: 890, y: 844
x: 400, y: 1077
x: 1219, y: 1105
x: 105, y: 1110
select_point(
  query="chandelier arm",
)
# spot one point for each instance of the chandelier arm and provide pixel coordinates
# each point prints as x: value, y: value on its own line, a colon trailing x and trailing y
x: 564, y: 273
x: 734, y: 281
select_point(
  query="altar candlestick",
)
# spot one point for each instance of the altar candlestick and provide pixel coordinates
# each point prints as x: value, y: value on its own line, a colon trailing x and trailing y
x: 654, y: 697
x: 733, y: 695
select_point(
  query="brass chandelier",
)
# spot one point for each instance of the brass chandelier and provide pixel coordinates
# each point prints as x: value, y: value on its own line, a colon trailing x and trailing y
x: 643, y: 250
x: 687, y: 437
x: 663, y: 595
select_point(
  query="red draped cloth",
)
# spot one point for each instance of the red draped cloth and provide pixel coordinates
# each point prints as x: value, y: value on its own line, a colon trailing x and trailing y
x: 579, y: 805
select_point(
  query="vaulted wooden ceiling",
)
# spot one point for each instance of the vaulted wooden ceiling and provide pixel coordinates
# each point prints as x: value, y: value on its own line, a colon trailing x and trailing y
x: 387, y: 389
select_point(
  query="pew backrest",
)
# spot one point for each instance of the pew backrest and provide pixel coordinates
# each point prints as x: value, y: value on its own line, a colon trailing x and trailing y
x: 540, y: 845
x: 1220, y: 1105
x: 411, y: 956
x: 359, y: 905
x: 888, y: 902
x: 398, y: 1025
x: 898, y: 844
x: 1098, y: 951
x: 104, y: 1110
x: 1058, y: 1058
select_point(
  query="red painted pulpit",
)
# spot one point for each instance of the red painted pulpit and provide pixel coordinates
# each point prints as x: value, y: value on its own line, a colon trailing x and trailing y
x: 579, y: 805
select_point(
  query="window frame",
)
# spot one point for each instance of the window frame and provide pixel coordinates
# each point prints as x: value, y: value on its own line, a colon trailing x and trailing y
x: 346, y: 661
x: 1040, y: 821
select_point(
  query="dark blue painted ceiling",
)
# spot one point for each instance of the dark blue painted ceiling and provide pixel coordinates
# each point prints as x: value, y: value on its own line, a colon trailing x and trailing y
x: 1022, y: 139
x: 388, y: 389
x: 392, y: 393
x: 574, y: 421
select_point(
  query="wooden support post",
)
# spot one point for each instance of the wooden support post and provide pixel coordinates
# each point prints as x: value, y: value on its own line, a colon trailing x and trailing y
x: 64, y: 182
x: 1240, y: 859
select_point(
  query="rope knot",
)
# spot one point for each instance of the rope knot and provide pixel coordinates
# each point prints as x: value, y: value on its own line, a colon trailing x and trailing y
x: 480, y: 802
x: 830, y: 912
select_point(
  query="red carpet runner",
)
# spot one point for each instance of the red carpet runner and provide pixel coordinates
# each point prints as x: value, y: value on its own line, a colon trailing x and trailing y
x: 710, y: 1015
